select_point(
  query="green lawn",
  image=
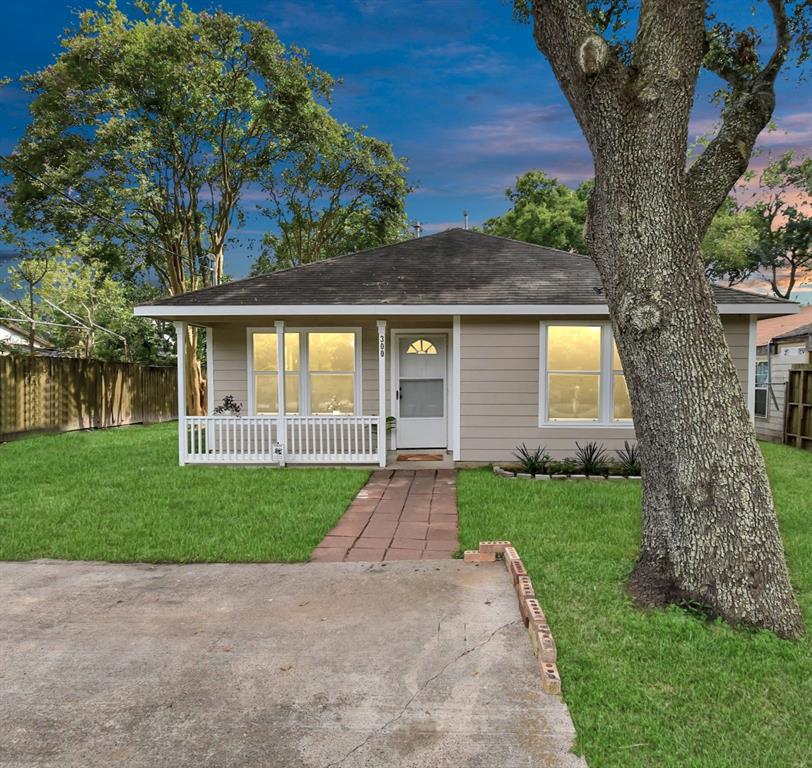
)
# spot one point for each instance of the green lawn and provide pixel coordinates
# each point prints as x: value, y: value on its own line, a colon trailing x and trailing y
x: 119, y: 495
x: 661, y: 688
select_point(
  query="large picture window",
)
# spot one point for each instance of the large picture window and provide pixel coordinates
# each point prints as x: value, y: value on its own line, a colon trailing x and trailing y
x: 321, y: 372
x: 581, y: 376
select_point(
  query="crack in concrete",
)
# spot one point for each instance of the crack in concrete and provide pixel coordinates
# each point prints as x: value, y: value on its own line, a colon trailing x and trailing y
x: 378, y: 731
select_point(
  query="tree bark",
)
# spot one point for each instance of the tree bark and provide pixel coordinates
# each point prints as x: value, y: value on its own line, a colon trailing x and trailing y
x: 710, y: 534
x: 194, y: 374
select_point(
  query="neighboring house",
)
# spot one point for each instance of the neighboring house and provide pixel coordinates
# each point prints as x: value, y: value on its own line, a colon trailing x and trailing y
x: 783, y: 343
x: 14, y: 335
x: 473, y: 343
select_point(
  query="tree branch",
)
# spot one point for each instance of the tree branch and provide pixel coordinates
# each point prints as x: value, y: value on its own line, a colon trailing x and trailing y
x: 747, y: 113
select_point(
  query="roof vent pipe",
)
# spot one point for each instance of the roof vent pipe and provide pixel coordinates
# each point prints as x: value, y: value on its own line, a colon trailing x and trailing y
x: 465, y: 217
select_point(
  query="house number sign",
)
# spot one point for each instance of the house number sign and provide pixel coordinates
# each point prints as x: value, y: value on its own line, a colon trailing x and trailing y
x: 382, y: 344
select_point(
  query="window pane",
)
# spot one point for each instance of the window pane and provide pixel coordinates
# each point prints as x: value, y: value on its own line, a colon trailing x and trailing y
x: 573, y: 396
x: 421, y: 398
x: 761, y: 402
x: 332, y: 393
x: 622, y: 407
x: 616, y: 364
x: 291, y: 352
x: 332, y: 351
x: 264, y: 352
x: 267, y: 394
x: 292, y: 393
x: 762, y: 373
x: 573, y: 348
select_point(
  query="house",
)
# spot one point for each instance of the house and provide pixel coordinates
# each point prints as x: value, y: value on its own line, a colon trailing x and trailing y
x: 14, y: 335
x: 473, y: 343
x: 782, y: 344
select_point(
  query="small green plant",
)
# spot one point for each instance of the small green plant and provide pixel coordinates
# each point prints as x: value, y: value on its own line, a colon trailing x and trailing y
x: 628, y: 459
x: 531, y: 461
x: 591, y: 458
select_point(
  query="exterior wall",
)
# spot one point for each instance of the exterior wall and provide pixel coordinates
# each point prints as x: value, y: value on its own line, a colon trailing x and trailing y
x: 499, y: 377
x: 229, y: 345
x: 499, y: 391
x: 782, y: 358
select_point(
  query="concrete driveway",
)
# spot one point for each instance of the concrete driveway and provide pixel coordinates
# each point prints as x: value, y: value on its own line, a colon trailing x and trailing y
x: 317, y: 665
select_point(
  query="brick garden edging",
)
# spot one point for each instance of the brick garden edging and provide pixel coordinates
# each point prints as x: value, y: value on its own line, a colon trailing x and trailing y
x: 499, y: 472
x: 541, y: 637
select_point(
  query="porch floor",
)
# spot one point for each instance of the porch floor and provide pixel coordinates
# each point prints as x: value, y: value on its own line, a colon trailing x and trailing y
x: 398, y: 515
x: 392, y: 461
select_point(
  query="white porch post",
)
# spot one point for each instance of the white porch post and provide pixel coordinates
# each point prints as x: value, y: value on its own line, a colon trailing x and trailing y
x: 382, y: 393
x: 180, y: 333
x: 281, y: 426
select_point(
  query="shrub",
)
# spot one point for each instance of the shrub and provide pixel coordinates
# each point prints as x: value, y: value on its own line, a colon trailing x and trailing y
x: 565, y: 467
x: 628, y: 459
x: 531, y: 462
x: 229, y: 405
x: 591, y: 458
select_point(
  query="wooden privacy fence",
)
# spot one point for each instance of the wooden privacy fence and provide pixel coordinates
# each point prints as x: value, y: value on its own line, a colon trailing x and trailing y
x: 57, y: 394
x: 798, y: 408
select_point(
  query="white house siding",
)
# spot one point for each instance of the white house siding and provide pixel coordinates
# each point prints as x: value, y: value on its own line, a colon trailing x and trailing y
x: 231, y: 356
x: 499, y: 390
x: 782, y: 359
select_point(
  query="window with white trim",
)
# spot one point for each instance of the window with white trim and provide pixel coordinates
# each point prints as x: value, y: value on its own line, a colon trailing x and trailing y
x: 322, y: 372
x: 581, y: 376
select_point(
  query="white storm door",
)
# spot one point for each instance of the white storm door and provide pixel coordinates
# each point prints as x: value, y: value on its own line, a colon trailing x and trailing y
x: 421, y: 392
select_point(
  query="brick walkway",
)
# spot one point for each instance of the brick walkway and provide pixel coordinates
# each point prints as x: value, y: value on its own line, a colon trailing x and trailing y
x: 397, y: 515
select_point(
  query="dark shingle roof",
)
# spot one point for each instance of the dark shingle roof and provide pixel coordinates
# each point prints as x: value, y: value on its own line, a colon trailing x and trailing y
x: 453, y: 267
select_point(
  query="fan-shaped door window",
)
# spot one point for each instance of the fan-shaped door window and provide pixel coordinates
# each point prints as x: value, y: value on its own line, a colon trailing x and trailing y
x: 421, y: 347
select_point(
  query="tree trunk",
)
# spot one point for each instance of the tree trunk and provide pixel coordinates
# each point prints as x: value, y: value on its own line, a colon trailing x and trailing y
x: 710, y: 534
x: 194, y: 374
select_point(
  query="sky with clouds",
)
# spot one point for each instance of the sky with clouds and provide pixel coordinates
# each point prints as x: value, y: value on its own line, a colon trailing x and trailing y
x: 456, y: 86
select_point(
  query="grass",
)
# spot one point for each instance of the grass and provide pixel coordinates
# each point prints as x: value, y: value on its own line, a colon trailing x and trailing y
x: 119, y: 495
x: 660, y: 688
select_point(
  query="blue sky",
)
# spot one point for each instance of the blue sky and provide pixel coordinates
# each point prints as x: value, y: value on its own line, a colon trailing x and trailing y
x: 455, y: 85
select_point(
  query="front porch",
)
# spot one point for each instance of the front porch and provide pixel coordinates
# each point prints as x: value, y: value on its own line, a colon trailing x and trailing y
x: 338, y: 397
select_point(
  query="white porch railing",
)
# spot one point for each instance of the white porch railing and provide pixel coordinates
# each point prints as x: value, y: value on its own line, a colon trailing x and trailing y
x: 307, y: 439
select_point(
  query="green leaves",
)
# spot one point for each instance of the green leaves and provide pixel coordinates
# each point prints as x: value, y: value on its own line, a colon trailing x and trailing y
x: 158, y: 123
x: 545, y: 212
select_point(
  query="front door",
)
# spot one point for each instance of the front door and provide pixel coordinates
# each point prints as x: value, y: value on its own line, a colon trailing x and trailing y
x: 421, y: 393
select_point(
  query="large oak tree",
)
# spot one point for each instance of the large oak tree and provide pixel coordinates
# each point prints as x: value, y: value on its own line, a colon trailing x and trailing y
x: 710, y: 533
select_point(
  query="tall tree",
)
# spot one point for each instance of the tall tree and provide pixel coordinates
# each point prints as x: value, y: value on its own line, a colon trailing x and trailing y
x: 543, y: 211
x: 784, y: 247
x: 710, y: 533
x: 730, y: 244
x: 772, y: 235
x: 343, y: 193
x: 156, y: 126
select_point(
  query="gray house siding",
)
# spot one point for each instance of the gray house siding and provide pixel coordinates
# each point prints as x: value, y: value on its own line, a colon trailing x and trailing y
x: 499, y: 389
x: 499, y: 377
